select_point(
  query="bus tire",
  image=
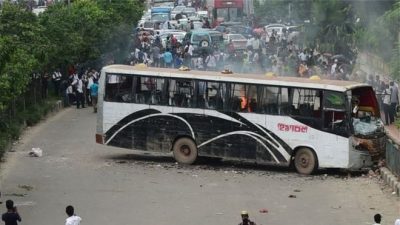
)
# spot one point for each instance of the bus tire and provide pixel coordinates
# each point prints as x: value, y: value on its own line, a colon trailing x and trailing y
x: 185, y: 151
x: 305, y: 161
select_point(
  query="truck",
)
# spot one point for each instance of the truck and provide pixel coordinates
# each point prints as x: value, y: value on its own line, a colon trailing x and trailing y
x: 160, y: 14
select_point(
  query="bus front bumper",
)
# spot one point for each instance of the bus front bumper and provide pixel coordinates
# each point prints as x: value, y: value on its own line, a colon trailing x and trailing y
x: 359, y: 160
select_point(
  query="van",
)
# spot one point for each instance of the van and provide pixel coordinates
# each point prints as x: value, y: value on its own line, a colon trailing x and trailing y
x: 200, y: 39
x: 204, y: 40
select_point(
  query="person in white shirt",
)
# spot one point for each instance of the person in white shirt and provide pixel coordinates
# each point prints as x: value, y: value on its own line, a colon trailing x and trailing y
x: 211, y: 62
x: 386, y: 104
x: 72, y: 218
x: 78, y: 84
x: 56, y: 77
x: 397, y: 222
x: 333, y: 68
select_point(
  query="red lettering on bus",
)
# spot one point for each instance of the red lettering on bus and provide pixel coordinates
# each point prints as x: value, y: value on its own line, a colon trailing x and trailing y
x: 292, y: 128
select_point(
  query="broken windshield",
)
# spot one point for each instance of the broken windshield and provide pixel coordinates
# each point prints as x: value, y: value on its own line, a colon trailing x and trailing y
x: 365, y: 112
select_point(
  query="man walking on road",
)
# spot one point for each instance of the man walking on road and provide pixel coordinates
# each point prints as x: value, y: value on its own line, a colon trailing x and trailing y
x: 11, y: 216
x: 72, y: 218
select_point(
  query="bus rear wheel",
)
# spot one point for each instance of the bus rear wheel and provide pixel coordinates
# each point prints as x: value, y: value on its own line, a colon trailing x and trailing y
x: 185, y: 151
x: 305, y: 161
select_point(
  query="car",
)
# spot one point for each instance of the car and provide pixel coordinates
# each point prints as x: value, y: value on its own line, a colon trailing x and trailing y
x: 228, y: 24
x: 270, y: 30
x: 197, y: 25
x: 240, y: 29
x: 238, y: 40
x: 177, y: 10
x: 147, y: 25
x: 189, y: 12
x: 293, y: 32
x: 217, y: 38
x: 202, y: 14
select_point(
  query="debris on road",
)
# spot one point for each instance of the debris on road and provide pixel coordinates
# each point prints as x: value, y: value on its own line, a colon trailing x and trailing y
x: 36, y: 152
x: 16, y: 195
x: 292, y: 196
x: 336, y: 207
x: 26, y: 187
x: 263, y: 210
x: 297, y: 190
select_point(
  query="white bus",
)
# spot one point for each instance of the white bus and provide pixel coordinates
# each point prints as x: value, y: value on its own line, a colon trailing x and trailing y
x: 306, y: 123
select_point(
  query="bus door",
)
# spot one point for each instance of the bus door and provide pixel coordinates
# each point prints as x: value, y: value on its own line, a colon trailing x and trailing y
x: 211, y: 97
x: 335, y: 116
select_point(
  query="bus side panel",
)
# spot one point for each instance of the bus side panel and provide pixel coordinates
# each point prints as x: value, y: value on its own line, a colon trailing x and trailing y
x: 332, y: 150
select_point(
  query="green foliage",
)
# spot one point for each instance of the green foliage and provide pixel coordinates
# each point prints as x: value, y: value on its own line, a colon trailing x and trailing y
x: 64, y: 35
x: 19, y: 51
x: 88, y: 29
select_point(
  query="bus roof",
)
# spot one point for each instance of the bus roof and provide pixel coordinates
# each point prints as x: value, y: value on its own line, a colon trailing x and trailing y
x: 334, y: 85
x: 160, y: 10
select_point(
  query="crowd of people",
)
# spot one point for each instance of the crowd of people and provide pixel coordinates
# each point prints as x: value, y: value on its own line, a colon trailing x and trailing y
x: 78, y: 88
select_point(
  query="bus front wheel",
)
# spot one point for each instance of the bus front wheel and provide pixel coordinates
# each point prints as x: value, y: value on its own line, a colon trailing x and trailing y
x: 185, y: 151
x: 305, y: 161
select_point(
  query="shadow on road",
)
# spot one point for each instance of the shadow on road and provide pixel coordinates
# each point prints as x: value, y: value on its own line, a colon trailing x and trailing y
x: 216, y: 164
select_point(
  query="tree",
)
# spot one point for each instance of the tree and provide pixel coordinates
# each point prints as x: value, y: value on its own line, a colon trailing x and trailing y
x: 86, y: 30
x: 334, y: 28
x: 20, y: 50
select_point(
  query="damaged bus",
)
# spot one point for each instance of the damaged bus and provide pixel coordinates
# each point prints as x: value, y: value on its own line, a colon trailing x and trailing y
x: 305, y: 123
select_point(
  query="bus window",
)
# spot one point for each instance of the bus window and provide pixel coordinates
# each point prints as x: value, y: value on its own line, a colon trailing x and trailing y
x: 214, y: 97
x: 252, y: 98
x: 269, y: 100
x: 118, y: 88
x: 335, y: 112
x: 152, y: 89
x: 243, y: 98
x: 181, y: 92
x: 306, y: 102
x: 238, y: 100
x: 284, y: 103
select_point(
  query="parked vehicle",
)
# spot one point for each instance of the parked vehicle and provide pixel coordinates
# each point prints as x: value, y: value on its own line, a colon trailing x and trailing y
x: 177, y: 10
x: 238, y: 40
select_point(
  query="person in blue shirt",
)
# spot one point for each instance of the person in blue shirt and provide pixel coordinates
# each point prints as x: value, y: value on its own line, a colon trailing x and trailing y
x: 94, y: 89
x: 168, y: 58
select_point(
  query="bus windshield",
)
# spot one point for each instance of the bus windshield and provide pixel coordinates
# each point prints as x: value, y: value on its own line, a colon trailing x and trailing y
x: 365, y: 112
x: 160, y: 17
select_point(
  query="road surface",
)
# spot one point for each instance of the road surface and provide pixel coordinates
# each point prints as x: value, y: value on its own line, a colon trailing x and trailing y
x: 115, y: 186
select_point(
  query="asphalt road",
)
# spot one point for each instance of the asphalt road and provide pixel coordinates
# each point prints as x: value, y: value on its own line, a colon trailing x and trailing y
x: 116, y: 186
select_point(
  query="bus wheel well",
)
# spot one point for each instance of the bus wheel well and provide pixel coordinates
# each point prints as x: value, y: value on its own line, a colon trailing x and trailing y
x: 179, y: 137
x: 304, y: 159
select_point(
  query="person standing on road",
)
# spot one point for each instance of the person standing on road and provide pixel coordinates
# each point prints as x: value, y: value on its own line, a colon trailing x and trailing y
x: 79, y: 92
x: 245, y: 219
x: 94, y: 88
x: 394, y: 100
x: 72, y: 218
x: 386, y: 105
x: 168, y: 58
x: 11, y: 217
x: 377, y: 219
